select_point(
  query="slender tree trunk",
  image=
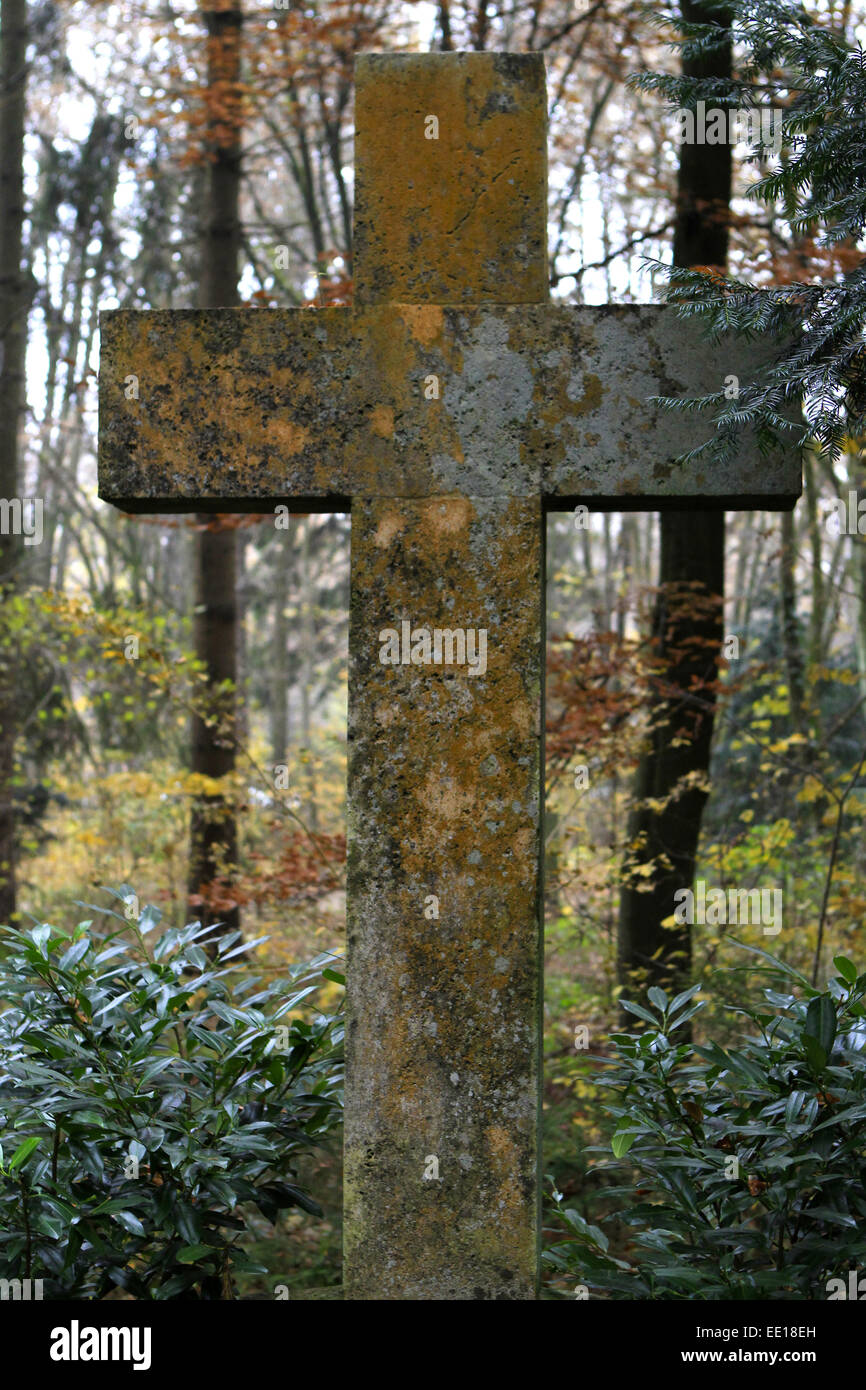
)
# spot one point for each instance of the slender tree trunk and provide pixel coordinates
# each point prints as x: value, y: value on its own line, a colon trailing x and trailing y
x: 279, y: 711
x: 307, y: 640
x: 688, y: 627
x: 791, y: 644
x: 815, y: 545
x: 14, y: 301
x: 739, y: 595
x: 242, y: 680
x: 857, y: 483
x: 213, y: 829
x: 754, y: 580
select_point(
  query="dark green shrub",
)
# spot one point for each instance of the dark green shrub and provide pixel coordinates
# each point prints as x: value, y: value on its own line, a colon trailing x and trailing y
x: 750, y: 1163
x: 150, y: 1093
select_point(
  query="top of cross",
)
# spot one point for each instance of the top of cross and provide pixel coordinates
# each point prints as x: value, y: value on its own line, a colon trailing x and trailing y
x: 452, y: 374
x: 450, y: 179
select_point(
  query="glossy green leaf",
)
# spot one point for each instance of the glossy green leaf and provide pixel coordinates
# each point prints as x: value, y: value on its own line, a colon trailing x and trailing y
x: 821, y: 1022
x: 23, y: 1152
x: 847, y: 969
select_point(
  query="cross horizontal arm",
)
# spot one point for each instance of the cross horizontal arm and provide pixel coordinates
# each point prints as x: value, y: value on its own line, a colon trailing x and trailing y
x: 238, y: 410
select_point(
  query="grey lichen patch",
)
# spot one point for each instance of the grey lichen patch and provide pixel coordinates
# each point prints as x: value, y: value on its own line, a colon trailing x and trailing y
x: 488, y: 405
x: 622, y: 357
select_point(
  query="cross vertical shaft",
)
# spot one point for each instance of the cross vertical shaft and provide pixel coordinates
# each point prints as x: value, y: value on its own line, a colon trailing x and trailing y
x: 445, y: 764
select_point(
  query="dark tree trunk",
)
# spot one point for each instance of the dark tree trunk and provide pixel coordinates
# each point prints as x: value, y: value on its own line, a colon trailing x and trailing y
x: 213, y: 829
x: 14, y: 301
x: 279, y: 712
x: 687, y: 626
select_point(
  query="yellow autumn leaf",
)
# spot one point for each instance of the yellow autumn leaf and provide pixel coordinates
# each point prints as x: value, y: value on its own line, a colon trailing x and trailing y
x: 810, y: 791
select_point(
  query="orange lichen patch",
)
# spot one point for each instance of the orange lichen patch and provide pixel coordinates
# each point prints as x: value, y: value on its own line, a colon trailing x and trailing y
x: 443, y: 800
x: 446, y: 516
x: 628, y: 487
x: 287, y: 380
x: 504, y: 1162
x: 482, y: 236
x: 521, y: 715
x: 556, y: 406
x: 522, y: 842
x: 424, y: 321
x: 593, y: 391
x: 223, y: 383
x: 288, y: 436
x: 484, y: 741
x: 189, y: 345
x: 390, y: 525
x: 172, y: 452
x: 382, y: 421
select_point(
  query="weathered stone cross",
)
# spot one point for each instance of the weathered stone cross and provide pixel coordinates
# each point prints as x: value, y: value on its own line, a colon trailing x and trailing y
x: 448, y: 428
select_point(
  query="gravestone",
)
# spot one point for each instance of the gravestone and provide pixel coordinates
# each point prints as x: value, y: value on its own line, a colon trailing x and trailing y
x: 448, y: 409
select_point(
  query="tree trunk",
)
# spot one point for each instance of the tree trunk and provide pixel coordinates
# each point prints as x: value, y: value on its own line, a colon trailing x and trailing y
x: 687, y: 626
x: 14, y: 302
x: 213, y: 828
x: 791, y: 641
x: 242, y: 678
x: 307, y: 635
x: 857, y: 484
x: 279, y: 711
x: 811, y: 486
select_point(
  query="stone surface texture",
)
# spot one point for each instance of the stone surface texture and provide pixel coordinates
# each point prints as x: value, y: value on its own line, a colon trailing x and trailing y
x: 240, y: 407
x: 441, y: 1167
x: 461, y: 219
x: 443, y: 1011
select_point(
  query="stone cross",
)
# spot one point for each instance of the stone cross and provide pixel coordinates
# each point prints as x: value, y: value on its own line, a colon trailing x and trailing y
x: 448, y: 410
